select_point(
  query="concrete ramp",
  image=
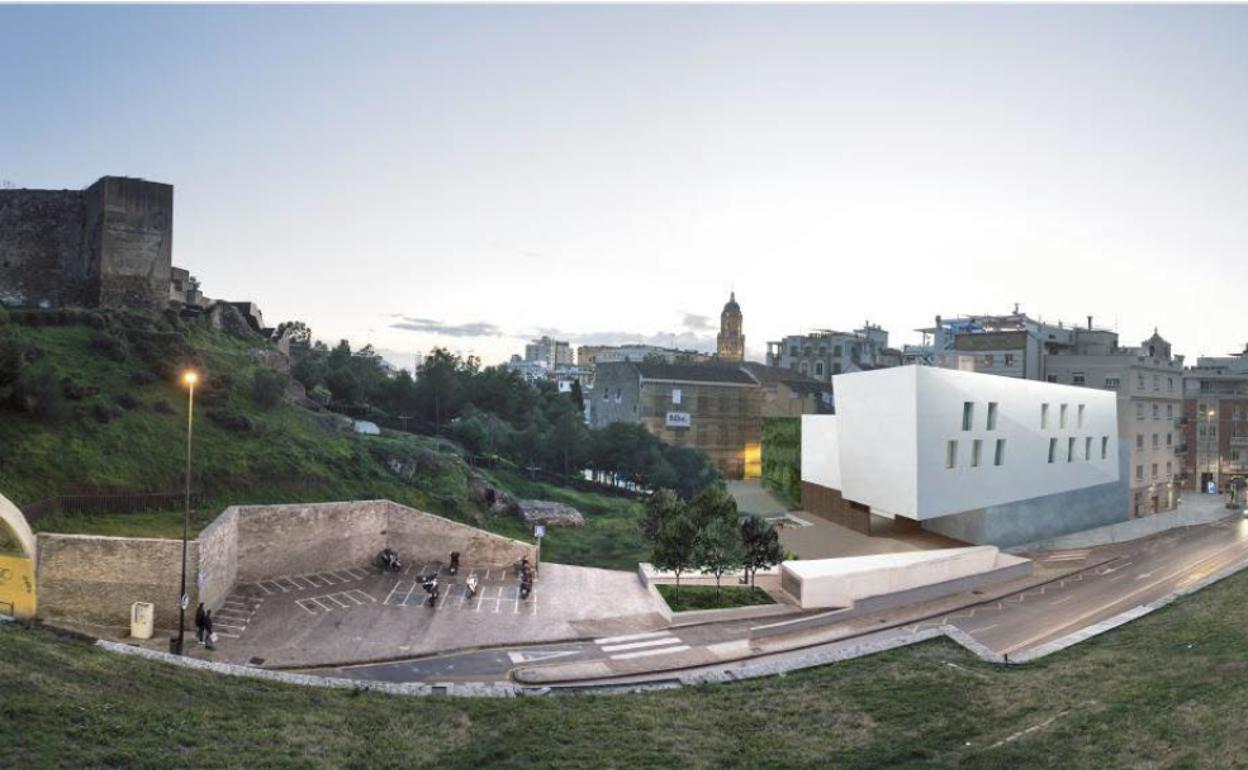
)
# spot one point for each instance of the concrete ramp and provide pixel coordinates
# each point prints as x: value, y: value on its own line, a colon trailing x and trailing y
x: 907, y: 577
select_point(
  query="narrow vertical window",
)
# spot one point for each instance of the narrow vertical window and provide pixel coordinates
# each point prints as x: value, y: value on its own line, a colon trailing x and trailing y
x: 1087, y: 448
x: 1070, y: 449
x: 1052, y: 449
x: 998, y: 457
x: 1062, y: 419
x: 968, y: 415
x: 1104, y: 447
x: 976, y: 450
x: 1044, y: 416
x: 992, y: 415
x: 951, y: 454
x: 1081, y: 406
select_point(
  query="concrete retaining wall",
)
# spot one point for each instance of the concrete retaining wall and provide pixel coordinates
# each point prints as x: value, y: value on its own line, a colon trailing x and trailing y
x: 95, y: 579
x: 218, y: 557
x: 1134, y: 529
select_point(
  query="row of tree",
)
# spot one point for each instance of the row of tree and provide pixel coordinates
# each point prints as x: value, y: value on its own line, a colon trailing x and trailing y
x: 707, y: 534
x: 493, y: 411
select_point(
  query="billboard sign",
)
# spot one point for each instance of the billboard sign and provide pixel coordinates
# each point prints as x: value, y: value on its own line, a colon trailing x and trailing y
x: 679, y: 420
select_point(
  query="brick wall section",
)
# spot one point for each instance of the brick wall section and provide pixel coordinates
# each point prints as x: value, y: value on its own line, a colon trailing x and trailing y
x: 423, y: 537
x: 298, y: 539
x: 95, y: 579
x: 218, y: 557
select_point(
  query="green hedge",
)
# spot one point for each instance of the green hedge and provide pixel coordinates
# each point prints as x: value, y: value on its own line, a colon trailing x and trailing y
x: 782, y: 458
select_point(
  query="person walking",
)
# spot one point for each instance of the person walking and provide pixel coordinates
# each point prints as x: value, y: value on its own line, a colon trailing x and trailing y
x: 200, y: 614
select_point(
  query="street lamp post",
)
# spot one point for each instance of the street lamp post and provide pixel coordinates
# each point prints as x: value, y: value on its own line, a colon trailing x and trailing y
x: 190, y: 378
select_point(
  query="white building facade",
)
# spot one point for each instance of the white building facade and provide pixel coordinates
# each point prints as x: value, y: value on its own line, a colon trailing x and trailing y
x: 979, y: 458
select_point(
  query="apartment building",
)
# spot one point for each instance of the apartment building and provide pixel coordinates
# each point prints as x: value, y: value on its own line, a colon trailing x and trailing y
x: 1214, y: 448
x: 1148, y: 382
x: 553, y: 352
x: 824, y: 353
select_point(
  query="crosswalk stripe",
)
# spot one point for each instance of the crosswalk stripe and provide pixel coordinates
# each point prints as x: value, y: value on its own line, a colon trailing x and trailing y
x: 631, y: 637
x: 644, y: 653
x: 638, y: 645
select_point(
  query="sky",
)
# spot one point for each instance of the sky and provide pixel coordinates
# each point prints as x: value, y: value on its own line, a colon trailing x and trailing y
x: 471, y: 176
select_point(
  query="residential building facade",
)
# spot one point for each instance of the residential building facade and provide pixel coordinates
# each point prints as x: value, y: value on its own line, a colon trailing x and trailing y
x: 1148, y: 382
x: 979, y: 459
x: 553, y: 352
x: 710, y: 407
x: 591, y: 355
x: 824, y: 354
x: 1215, y: 425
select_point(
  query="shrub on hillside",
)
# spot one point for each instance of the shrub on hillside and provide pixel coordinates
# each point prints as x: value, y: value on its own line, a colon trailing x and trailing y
x: 143, y: 378
x: 104, y: 413
x: 75, y: 392
x: 268, y: 387
x: 112, y: 348
x: 41, y: 394
x: 10, y: 364
x: 231, y: 421
x: 128, y: 402
x: 162, y: 406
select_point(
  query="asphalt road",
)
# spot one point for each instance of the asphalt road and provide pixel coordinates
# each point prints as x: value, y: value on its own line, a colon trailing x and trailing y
x: 1132, y: 574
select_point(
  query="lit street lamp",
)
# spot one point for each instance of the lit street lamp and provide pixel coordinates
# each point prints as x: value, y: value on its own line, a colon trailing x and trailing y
x: 189, y: 378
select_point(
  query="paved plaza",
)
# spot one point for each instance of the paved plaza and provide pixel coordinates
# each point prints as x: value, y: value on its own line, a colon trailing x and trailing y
x: 361, y: 613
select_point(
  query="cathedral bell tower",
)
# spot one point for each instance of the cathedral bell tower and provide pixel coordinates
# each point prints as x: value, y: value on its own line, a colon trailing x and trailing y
x: 731, y: 342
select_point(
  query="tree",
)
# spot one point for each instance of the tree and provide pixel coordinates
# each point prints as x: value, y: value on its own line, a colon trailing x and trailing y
x: 717, y: 549
x: 437, y: 386
x: 660, y: 506
x: 268, y: 387
x: 714, y: 504
x: 674, y: 544
x: 761, y: 544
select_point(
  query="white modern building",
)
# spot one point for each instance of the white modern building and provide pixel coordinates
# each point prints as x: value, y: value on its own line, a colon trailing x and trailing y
x: 979, y: 458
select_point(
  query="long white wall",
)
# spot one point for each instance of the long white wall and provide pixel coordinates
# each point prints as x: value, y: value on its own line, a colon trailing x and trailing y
x: 821, y: 455
x: 893, y: 428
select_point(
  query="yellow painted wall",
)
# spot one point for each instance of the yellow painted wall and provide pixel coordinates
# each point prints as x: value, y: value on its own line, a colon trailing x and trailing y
x: 17, y: 586
x: 753, y: 461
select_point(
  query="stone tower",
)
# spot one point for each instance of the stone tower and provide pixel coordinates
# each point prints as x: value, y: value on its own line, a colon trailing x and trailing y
x: 731, y: 345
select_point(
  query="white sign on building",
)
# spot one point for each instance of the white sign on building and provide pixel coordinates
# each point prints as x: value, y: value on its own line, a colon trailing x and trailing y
x: 679, y: 420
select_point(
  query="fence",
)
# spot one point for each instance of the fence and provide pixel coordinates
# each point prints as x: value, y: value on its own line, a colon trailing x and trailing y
x: 118, y: 503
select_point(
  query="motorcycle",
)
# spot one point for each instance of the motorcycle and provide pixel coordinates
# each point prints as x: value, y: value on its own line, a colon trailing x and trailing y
x: 471, y: 586
x: 388, y: 561
x: 454, y: 568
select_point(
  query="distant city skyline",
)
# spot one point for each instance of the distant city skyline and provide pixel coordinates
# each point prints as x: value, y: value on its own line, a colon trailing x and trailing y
x: 472, y: 177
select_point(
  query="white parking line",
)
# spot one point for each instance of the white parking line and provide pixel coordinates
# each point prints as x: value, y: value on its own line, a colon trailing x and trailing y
x: 322, y: 604
x: 638, y: 645
x: 228, y: 625
x: 229, y: 636
x: 645, y: 653
x: 409, y: 594
x: 333, y: 599
x: 1063, y: 599
x: 498, y: 600
x: 300, y: 602
x: 983, y: 628
x: 392, y: 590
x: 358, y: 592
x: 359, y: 573
x: 631, y: 637
x: 533, y: 599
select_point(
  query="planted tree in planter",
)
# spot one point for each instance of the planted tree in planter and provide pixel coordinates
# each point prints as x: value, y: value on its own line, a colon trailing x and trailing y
x: 761, y: 544
x: 674, y: 543
x: 717, y: 549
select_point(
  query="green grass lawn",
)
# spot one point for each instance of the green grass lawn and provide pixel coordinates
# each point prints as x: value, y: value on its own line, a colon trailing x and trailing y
x: 1164, y: 692
x: 699, y: 597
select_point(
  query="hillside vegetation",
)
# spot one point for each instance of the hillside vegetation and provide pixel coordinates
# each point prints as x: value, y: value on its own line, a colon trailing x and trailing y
x: 1163, y: 692
x: 91, y: 403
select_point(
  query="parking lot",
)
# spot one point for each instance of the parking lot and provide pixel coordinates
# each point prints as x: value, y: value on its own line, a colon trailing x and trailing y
x: 362, y: 613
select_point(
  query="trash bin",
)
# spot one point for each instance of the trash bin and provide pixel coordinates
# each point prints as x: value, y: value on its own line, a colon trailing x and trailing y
x: 142, y: 616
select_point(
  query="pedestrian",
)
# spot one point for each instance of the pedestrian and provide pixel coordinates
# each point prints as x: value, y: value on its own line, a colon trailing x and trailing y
x: 199, y: 622
x: 209, y: 636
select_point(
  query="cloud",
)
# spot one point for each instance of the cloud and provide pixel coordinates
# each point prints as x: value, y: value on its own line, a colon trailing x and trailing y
x: 430, y: 326
x: 697, y: 323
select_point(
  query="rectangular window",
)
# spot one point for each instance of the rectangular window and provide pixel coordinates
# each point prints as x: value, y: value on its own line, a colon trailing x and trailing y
x: 1139, y: 473
x: 1077, y: 378
x: 998, y: 457
x: 1170, y: 384
x: 1156, y: 412
x: 676, y: 394
x: 968, y: 415
x: 1169, y: 439
x: 1081, y: 409
x: 1070, y: 450
x: 1051, y: 377
x: 1156, y: 382
x: 1154, y: 470
x: 1156, y: 441
x: 1139, y: 441
x: 1087, y: 448
x: 976, y: 450
x: 1169, y: 411
x: 1044, y: 416
x: 1139, y: 411
x: 1009, y: 359
x: 992, y: 415
x: 1169, y: 468
x: 1139, y: 381
x: 988, y: 359
x: 1052, y: 449
x: 1104, y: 447
x: 1062, y: 419
x: 951, y: 454
x: 1112, y: 382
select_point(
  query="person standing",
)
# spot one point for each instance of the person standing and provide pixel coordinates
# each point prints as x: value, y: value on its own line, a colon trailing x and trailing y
x: 200, y: 615
x: 208, y: 634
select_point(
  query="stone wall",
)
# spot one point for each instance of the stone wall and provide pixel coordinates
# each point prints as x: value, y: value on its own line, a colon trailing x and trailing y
x: 218, y: 557
x: 95, y: 579
x: 298, y: 539
x: 423, y: 537
x: 110, y: 245
x: 42, y: 248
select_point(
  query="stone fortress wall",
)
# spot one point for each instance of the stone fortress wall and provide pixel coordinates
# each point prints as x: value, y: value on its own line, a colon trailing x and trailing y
x: 110, y: 245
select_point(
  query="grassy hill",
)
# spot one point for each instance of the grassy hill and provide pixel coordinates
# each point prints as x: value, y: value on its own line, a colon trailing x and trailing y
x: 99, y: 410
x: 1163, y: 692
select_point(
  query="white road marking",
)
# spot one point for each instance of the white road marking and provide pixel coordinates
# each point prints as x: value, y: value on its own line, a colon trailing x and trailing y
x: 228, y: 636
x: 532, y: 656
x: 498, y: 600
x: 638, y: 645
x: 392, y: 590
x: 409, y: 594
x: 631, y: 637
x: 304, y: 608
x: 983, y: 628
x: 645, y: 653
x: 1063, y: 599
x: 358, y: 592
